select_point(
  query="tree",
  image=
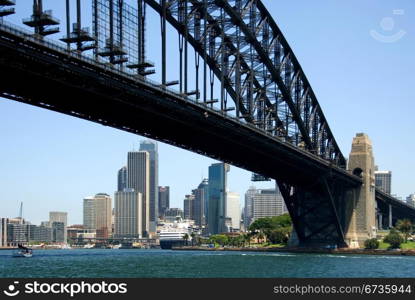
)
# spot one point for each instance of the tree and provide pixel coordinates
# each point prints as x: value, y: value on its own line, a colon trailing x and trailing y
x: 219, y: 239
x: 267, y: 226
x: 193, y: 235
x: 261, y: 224
x: 279, y: 235
x: 371, y: 244
x: 394, y: 239
x: 405, y: 226
x: 260, y: 236
x: 186, y: 238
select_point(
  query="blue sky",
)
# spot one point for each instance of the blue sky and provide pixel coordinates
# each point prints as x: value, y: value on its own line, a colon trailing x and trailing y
x: 51, y: 161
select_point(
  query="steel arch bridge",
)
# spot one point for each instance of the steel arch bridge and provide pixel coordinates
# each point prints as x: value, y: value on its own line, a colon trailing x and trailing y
x: 246, y: 100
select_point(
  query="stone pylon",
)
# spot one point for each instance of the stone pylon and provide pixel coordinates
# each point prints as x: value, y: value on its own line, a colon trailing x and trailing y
x: 362, y: 225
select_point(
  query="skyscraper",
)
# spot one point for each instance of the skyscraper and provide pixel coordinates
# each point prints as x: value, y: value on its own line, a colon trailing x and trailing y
x: 89, y: 213
x: 122, y: 179
x: 383, y: 181
x: 97, y: 214
x: 248, y: 214
x: 233, y: 211
x: 59, y: 217
x: 217, y: 197
x: 188, y: 207
x: 3, y: 232
x: 128, y: 214
x: 103, y: 208
x: 58, y: 232
x: 199, y: 213
x: 138, y: 178
x: 164, y: 200
x: 151, y: 148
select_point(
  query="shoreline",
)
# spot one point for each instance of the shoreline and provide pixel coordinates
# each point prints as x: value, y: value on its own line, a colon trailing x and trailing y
x: 306, y: 250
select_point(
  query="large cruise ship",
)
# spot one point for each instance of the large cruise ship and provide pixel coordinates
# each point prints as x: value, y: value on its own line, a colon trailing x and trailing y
x: 172, y: 234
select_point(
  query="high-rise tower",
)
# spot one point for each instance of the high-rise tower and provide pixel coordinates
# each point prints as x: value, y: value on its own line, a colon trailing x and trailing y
x: 122, y: 179
x: 217, y: 197
x: 151, y: 148
x: 138, y: 178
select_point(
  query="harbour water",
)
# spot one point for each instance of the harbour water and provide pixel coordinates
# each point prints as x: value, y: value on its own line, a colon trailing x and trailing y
x: 200, y: 264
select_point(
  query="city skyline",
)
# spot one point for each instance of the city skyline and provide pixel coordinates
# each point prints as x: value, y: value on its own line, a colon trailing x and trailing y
x: 45, y: 174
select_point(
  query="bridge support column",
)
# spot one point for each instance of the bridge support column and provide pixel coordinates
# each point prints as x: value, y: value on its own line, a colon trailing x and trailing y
x: 362, y: 225
x: 380, y: 221
x: 390, y: 216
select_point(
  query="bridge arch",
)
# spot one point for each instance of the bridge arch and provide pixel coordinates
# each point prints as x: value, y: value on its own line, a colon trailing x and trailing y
x: 245, y: 49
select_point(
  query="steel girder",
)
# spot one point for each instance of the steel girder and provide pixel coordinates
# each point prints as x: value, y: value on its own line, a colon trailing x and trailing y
x: 315, y: 209
x: 244, y: 48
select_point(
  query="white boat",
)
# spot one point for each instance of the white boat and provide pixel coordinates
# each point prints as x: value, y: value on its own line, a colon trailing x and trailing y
x: 89, y: 246
x: 23, y: 252
x: 66, y: 247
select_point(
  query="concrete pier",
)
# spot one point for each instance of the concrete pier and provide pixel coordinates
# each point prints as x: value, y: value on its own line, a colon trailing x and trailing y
x: 362, y: 224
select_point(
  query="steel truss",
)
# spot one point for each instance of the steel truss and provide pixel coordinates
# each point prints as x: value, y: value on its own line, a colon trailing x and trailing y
x: 242, y: 46
x: 315, y: 209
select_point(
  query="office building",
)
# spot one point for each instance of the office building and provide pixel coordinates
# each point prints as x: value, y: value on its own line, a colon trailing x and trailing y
x: 188, y: 207
x: 200, y: 201
x: 97, y: 215
x: 138, y: 178
x: 59, y: 234
x: 3, y: 232
x: 128, y: 214
x: 164, y: 200
x: 89, y: 213
x: 172, y: 214
x: 43, y: 234
x: 383, y: 181
x: 122, y: 179
x: 59, y: 217
x: 17, y: 233
x: 217, y: 197
x: 248, y: 215
x: 261, y: 203
x: 233, y: 211
x: 103, y: 212
x: 151, y: 148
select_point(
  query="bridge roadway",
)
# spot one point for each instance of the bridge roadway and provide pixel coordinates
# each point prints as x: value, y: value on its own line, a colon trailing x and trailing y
x: 40, y: 72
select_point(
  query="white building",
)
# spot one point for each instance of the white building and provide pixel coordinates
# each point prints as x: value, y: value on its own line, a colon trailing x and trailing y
x: 233, y: 210
x: 262, y: 203
x: 128, y: 214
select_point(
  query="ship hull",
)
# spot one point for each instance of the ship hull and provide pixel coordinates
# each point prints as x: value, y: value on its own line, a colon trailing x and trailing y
x: 168, y: 244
